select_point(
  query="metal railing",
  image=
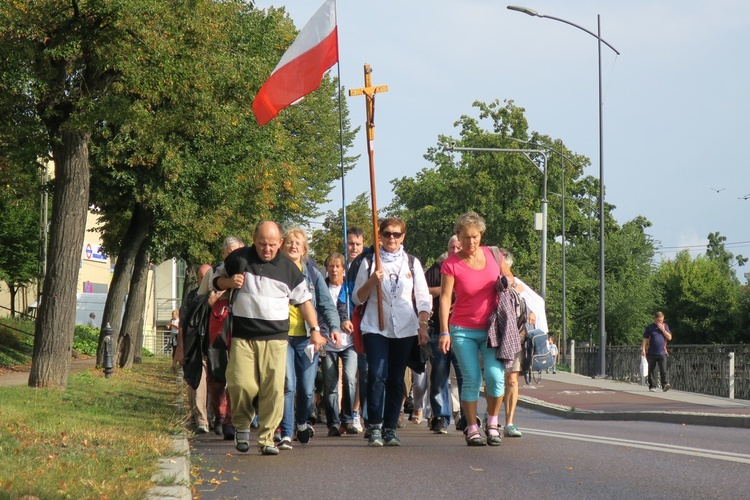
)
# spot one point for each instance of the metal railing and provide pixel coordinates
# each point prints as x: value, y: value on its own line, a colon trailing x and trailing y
x: 158, y: 342
x: 718, y: 370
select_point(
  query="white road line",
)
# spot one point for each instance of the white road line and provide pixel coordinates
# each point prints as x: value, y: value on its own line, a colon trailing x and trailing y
x: 667, y: 448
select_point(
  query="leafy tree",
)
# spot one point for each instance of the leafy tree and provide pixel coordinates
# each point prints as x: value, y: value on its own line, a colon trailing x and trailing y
x: 19, y: 226
x: 716, y: 250
x: 330, y: 239
x: 701, y: 300
x: 151, y: 74
x: 506, y: 188
x: 192, y: 168
x: 630, y: 296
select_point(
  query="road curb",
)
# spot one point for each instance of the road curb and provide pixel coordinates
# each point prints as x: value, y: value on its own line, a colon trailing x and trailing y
x: 709, y: 419
x: 173, y: 478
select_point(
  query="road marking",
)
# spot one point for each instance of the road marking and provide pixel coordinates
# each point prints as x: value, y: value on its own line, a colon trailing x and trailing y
x: 667, y: 448
x: 575, y: 393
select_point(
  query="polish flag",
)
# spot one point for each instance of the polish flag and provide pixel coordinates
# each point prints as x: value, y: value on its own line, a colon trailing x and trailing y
x: 301, y: 69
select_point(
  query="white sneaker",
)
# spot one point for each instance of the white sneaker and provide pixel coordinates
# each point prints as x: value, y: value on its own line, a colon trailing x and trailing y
x: 356, y: 421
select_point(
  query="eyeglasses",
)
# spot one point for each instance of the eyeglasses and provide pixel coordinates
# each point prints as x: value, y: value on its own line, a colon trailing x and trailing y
x: 388, y: 234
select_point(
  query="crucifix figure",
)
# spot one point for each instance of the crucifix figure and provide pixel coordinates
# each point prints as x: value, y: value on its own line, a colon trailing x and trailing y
x: 369, y: 92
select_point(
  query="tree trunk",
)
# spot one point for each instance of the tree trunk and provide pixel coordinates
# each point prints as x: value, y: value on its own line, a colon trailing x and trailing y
x: 138, y: 229
x: 13, y: 290
x: 53, y: 336
x: 135, y: 307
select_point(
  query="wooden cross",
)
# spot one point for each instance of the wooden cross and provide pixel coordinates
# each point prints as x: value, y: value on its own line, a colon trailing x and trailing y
x: 369, y: 92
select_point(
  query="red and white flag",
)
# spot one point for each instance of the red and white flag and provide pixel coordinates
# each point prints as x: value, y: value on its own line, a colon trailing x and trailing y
x: 301, y: 69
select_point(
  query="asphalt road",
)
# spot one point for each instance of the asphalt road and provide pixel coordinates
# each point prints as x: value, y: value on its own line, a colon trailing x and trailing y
x: 556, y: 458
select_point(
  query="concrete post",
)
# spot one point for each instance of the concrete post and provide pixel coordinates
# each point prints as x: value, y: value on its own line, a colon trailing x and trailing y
x: 572, y: 356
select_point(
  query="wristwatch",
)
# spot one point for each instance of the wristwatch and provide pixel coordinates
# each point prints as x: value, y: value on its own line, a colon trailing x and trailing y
x: 314, y: 328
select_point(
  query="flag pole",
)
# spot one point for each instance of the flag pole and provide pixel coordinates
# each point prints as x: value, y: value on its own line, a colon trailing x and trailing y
x: 343, y: 178
x: 369, y: 92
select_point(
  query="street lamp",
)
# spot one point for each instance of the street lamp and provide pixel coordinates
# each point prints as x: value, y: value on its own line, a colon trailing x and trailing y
x: 525, y: 152
x: 563, y: 347
x: 597, y: 35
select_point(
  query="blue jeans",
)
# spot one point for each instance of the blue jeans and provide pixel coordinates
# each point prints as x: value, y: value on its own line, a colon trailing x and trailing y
x: 299, y: 381
x: 467, y: 344
x: 362, y: 376
x: 348, y: 359
x: 440, y: 394
x: 386, y: 363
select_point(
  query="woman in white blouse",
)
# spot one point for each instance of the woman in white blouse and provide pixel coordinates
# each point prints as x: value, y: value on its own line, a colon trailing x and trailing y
x: 406, y: 310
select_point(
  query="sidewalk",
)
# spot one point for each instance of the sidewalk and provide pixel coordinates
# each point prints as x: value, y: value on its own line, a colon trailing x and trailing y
x: 585, y: 398
x: 21, y: 376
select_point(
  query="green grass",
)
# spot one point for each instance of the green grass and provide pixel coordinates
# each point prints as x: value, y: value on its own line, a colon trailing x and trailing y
x: 16, y: 341
x: 99, y: 438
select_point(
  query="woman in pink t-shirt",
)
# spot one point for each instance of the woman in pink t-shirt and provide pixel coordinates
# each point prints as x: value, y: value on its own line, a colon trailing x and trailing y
x: 471, y: 275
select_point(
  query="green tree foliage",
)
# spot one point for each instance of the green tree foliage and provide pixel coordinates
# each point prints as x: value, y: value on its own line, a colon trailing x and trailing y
x: 160, y: 94
x: 715, y: 250
x: 630, y: 296
x: 506, y: 188
x: 330, y: 239
x: 702, y: 299
x: 19, y: 226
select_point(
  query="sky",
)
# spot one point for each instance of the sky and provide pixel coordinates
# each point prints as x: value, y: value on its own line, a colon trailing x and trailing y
x: 676, y: 101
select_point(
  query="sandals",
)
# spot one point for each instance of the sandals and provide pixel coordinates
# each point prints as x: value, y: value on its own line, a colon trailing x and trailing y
x: 493, y: 435
x: 475, y: 439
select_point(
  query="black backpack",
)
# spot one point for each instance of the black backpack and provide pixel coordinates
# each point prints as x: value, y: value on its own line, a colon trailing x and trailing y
x: 194, y: 324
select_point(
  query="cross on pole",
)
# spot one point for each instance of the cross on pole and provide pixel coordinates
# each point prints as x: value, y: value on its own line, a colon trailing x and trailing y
x: 369, y: 92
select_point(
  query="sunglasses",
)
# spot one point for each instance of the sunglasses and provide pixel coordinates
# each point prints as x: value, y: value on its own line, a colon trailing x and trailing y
x: 388, y: 234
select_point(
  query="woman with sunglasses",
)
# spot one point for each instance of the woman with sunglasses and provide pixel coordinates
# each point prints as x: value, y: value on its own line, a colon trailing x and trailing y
x: 471, y: 274
x: 404, y: 291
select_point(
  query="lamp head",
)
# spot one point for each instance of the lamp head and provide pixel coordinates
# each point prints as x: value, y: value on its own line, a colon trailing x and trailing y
x: 530, y: 12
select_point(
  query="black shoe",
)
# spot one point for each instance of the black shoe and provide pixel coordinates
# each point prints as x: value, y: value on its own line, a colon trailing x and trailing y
x: 228, y: 431
x: 304, y: 432
x: 333, y: 431
x: 218, y: 426
x: 390, y: 438
x: 440, y: 426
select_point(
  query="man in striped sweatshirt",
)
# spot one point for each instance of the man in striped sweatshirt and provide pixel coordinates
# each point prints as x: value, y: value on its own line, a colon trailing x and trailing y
x: 266, y: 282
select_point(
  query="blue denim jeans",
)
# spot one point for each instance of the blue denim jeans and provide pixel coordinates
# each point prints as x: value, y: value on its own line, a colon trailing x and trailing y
x: 299, y: 381
x: 362, y: 377
x: 386, y: 365
x: 348, y: 359
x: 440, y: 394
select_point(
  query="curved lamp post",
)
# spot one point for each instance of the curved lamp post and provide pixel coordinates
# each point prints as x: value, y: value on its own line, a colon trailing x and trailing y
x: 543, y: 280
x: 600, y: 40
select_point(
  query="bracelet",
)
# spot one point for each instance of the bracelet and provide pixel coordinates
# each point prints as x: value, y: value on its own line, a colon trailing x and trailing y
x: 444, y: 334
x: 424, y: 323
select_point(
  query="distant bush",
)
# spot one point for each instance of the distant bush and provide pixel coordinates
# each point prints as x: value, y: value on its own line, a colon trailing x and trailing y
x: 86, y: 340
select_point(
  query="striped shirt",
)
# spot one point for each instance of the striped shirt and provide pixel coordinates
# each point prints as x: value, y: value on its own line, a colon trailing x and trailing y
x: 261, y: 309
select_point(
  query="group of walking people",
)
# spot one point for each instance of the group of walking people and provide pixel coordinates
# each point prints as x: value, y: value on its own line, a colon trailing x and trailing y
x: 286, y: 314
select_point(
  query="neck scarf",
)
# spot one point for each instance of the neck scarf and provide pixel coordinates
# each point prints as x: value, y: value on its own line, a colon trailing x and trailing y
x: 392, y: 257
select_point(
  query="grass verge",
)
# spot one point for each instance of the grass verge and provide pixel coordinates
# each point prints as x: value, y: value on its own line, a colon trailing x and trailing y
x: 16, y: 341
x: 99, y: 438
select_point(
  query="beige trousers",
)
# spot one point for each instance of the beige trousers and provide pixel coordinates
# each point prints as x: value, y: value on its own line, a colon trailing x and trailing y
x: 257, y: 368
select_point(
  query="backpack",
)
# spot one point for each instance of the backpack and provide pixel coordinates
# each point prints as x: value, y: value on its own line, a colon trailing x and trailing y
x: 538, y: 356
x: 194, y: 323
